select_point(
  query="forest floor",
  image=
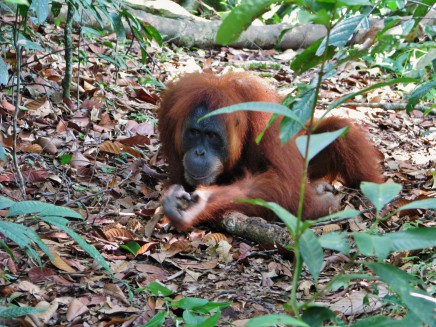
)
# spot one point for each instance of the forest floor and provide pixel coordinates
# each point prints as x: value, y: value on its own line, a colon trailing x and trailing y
x: 101, y: 158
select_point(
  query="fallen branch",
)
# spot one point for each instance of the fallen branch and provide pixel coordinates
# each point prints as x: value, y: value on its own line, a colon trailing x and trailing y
x: 255, y: 229
x: 388, y: 106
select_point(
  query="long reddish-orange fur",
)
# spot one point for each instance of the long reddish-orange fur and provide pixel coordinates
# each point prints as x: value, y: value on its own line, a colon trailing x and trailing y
x: 269, y: 170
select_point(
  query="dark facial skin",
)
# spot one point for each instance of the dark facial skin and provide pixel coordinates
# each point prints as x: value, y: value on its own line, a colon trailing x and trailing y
x: 205, y: 146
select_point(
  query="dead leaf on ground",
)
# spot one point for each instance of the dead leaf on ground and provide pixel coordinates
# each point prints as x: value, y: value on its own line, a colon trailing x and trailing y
x: 115, y: 291
x: 47, y: 145
x: 117, y: 147
x: 77, y: 308
x: 60, y: 263
x: 118, y: 234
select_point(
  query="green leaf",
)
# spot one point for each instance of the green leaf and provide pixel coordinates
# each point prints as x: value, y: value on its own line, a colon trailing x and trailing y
x: 91, y: 31
x: 412, y: 239
x: 40, y: 7
x: 131, y: 246
x: 420, y: 204
x: 354, y: 2
x: 7, y: 249
x: 380, y: 194
x: 157, y: 320
x: 27, y: 207
x: 27, y: 44
x: 14, y: 312
x: 273, y: 108
x: 307, y: 59
x: 19, y: 2
x: 4, y: 77
x: 322, y: 12
x: 14, y: 233
x: 422, y: 8
x: 415, y: 299
x: 118, y: 27
x: 153, y: 32
x: 343, y: 281
x: 30, y: 234
x: 404, y: 80
x: 302, y: 108
x: 316, y: 316
x: 382, y: 321
x: 407, y: 26
x: 41, y: 208
x: 240, y: 18
x: 2, y: 150
x: 88, y: 248
x: 349, y: 213
x: 190, y: 303
x: 212, y: 321
x: 318, y: 142
x: 311, y: 252
x: 381, y: 245
x: 273, y: 320
x: 56, y: 8
x: 158, y: 289
x: 372, y: 245
x: 191, y: 319
x: 418, y: 93
x: 341, y: 33
x: 66, y: 158
x: 335, y: 241
x: 212, y: 307
x: 5, y: 203
x: 288, y: 218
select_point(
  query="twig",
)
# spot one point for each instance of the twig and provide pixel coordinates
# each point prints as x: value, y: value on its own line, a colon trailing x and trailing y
x: 31, y: 83
x: 387, y: 106
x: 78, y: 60
x: 18, y: 50
x: 42, y: 57
x: 96, y: 194
x: 66, y: 82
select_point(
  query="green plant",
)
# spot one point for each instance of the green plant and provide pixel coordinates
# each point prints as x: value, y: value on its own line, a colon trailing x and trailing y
x: 341, y: 19
x: 195, y: 311
x: 15, y: 311
x: 27, y: 239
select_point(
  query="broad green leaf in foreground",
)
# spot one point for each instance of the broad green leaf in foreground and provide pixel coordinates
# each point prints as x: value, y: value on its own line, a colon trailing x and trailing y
x: 240, y: 18
x: 380, y: 194
x: 273, y: 108
x: 420, y: 204
x: 5, y: 203
x: 318, y: 141
x: 40, y: 7
x: 157, y: 320
x: 302, y: 108
x: 341, y: 33
x: 88, y: 248
x: 274, y: 320
x: 337, y: 241
x: 415, y: 299
x: 311, y: 252
x: 418, y: 93
x: 288, y: 218
x: 381, y: 245
x: 14, y: 312
x: 41, y: 208
x: 158, y: 289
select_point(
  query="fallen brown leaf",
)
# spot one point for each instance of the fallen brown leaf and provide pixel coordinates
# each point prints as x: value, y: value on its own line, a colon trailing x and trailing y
x: 58, y: 262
